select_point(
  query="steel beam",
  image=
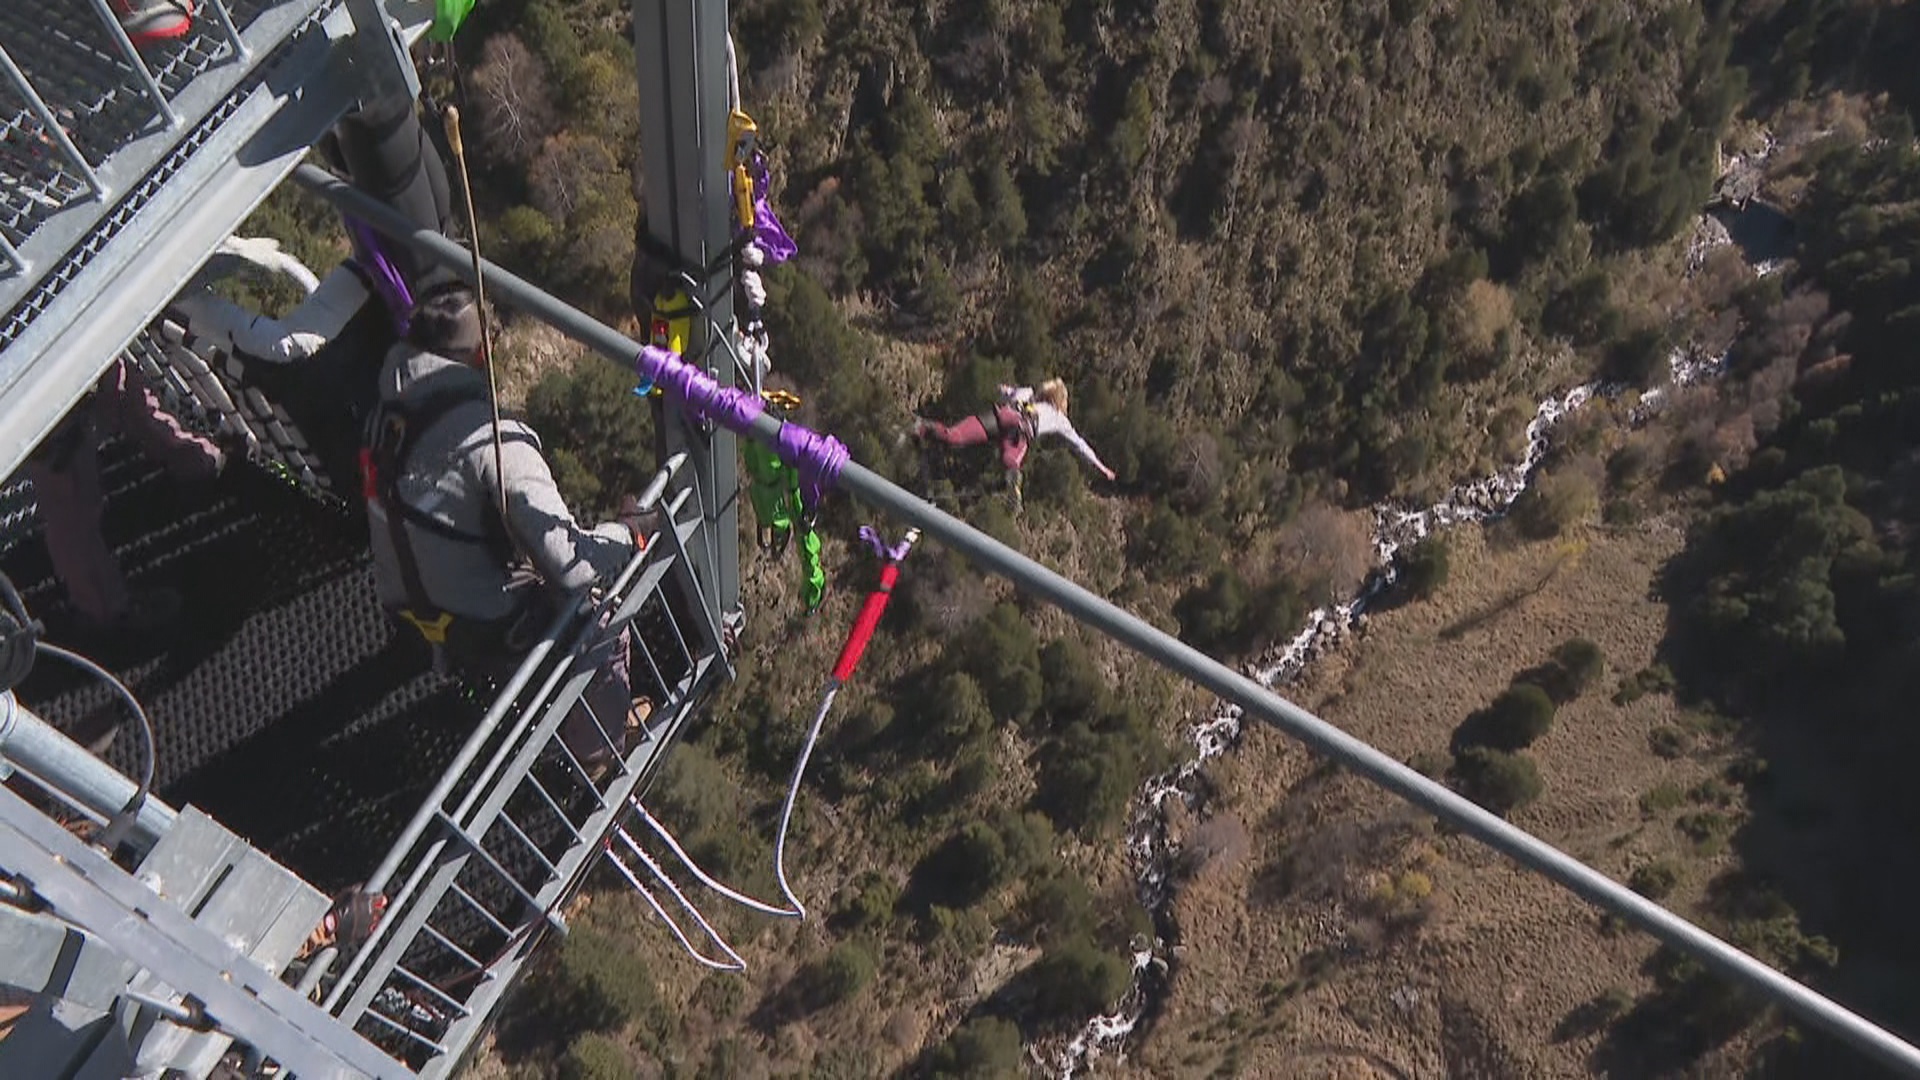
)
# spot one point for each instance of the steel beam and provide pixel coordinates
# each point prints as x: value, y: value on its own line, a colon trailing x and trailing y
x: 680, y: 47
x: 66, y: 768
x: 109, y: 269
x: 85, y: 887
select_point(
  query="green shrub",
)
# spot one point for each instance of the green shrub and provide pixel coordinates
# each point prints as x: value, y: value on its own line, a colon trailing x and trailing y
x: 1075, y: 687
x: 1553, y: 503
x: 1211, y: 614
x: 873, y: 902
x: 1661, y: 798
x: 1500, y: 781
x: 1629, y: 465
x: 1713, y: 791
x: 1520, y: 715
x: 836, y: 977
x: 726, y: 1059
x: 1669, y: 742
x: 966, y: 867
x: 961, y: 713
x: 721, y: 994
x: 1648, y: 680
x: 596, y: 1057
x: 973, y: 774
x: 1058, y: 907
x: 598, y: 982
x: 983, y: 1048
x: 1431, y: 764
x: 1075, y: 980
x: 1708, y: 829
x: 956, y: 935
x: 1227, y: 616
x: 1655, y: 880
x: 1639, y: 358
x: 1028, y: 840
x: 1424, y: 567
x: 1005, y: 659
x: 1579, y: 664
x: 1090, y: 771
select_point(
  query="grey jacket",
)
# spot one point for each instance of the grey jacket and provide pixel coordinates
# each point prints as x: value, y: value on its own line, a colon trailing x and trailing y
x: 449, y: 476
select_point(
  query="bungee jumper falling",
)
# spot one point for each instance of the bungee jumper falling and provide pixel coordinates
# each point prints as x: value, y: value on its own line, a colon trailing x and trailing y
x: 1020, y: 416
x: 779, y: 507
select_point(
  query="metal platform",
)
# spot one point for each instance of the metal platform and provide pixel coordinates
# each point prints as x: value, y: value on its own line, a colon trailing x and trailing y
x: 304, y: 741
x: 287, y: 709
x: 284, y: 705
x: 287, y: 712
x: 120, y: 169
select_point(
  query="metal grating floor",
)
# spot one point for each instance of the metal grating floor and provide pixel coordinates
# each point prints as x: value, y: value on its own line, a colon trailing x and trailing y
x: 283, y: 706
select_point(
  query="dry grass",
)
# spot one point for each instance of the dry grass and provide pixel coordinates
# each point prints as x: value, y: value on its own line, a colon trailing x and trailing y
x: 1473, y: 979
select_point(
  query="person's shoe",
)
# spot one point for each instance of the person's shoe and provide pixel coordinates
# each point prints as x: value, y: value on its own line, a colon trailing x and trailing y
x: 148, y: 22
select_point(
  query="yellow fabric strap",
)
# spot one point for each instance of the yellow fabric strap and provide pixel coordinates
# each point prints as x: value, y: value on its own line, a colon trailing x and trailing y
x: 741, y: 131
x: 434, y: 629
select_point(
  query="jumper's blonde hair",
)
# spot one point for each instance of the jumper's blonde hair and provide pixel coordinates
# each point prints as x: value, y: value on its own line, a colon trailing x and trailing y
x: 1054, y: 393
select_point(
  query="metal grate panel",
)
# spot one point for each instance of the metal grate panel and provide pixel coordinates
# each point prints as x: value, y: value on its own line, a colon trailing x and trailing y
x: 108, y: 118
x: 69, y: 57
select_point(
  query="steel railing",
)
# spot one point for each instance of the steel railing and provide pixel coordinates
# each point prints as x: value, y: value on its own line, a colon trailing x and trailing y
x: 481, y: 873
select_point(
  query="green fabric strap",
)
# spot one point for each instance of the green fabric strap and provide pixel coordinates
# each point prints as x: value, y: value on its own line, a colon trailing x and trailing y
x: 447, y: 17
x: 814, y: 588
x: 775, y: 488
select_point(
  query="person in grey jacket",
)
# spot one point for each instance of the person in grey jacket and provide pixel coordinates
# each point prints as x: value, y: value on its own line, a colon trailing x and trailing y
x: 477, y: 587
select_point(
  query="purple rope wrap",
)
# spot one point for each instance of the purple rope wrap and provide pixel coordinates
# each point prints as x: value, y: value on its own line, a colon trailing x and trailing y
x: 695, y: 393
x: 371, y: 253
x: 818, y: 457
x: 767, y: 230
x: 889, y: 552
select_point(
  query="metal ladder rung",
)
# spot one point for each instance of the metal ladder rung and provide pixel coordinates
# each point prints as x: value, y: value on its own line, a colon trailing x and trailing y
x: 446, y: 943
x: 520, y: 834
x: 402, y: 971
x: 541, y: 790
x: 574, y: 761
x: 476, y: 849
x: 376, y: 1015
x: 481, y: 909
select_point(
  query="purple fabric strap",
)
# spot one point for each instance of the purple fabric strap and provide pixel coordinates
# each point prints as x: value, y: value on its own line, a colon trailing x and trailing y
x: 818, y: 457
x: 371, y: 253
x: 889, y: 552
x: 767, y: 230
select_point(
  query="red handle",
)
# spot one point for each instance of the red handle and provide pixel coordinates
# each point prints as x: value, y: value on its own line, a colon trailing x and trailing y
x: 863, y: 627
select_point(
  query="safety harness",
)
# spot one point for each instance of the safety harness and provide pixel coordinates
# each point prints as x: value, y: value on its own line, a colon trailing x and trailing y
x: 393, y: 430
